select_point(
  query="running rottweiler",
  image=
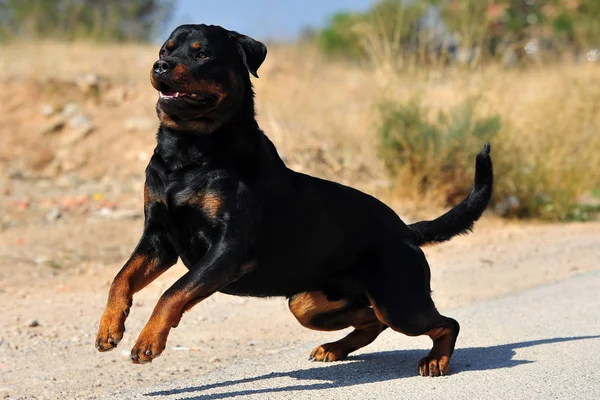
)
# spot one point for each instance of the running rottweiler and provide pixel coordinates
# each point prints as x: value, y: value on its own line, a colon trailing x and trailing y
x: 218, y: 196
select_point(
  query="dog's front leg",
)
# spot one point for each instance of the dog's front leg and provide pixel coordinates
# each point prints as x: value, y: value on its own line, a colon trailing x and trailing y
x: 153, y: 255
x: 225, y: 262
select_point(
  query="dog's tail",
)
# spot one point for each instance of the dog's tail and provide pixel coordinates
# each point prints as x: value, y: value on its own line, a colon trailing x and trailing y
x: 460, y: 219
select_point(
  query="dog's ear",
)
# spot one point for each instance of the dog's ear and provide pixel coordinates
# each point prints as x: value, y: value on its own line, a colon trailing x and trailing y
x: 252, y: 51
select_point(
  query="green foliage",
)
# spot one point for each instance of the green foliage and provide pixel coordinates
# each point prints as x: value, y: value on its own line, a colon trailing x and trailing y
x: 479, y: 24
x: 579, y: 24
x: 435, y: 154
x: 388, y: 20
x: 338, y: 37
x: 571, y: 23
x: 105, y: 20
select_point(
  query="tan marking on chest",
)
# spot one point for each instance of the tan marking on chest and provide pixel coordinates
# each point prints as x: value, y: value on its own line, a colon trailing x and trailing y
x: 150, y: 197
x: 209, y: 202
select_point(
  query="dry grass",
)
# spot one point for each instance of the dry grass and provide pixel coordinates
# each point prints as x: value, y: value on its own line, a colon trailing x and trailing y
x: 547, y: 153
x: 322, y: 114
x: 42, y: 60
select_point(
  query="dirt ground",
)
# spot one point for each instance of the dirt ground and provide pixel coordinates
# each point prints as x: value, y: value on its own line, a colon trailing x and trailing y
x: 57, y: 358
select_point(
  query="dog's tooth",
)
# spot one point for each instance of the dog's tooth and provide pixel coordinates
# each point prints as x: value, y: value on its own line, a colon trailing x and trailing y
x: 193, y: 95
x: 176, y: 94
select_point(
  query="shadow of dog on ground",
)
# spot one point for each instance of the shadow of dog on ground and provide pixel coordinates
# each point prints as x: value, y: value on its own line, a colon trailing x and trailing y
x: 372, y: 368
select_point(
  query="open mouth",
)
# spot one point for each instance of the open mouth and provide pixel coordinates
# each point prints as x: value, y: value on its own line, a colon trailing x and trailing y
x: 167, y: 92
x: 171, y: 95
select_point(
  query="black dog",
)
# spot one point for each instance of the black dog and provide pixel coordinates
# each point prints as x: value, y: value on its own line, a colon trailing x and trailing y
x: 218, y: 196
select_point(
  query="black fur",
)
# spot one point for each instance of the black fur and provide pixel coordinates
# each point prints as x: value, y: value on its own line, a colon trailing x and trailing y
x: 460, y: 219
x: 220, y: 197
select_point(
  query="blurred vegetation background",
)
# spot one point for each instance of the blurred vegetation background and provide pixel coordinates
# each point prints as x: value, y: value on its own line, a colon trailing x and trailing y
x: 102, y: 20
x: 464, y: 30
x: 438, y: 79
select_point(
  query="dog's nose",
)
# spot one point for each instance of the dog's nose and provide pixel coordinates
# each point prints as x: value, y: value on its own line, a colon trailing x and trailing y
x: 161, y: 66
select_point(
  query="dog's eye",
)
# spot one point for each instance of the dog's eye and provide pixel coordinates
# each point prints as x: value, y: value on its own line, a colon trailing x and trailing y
x: 201, y: 55
x: 163, y: 53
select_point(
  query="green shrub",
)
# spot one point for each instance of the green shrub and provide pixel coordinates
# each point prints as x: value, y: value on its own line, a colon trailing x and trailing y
x: 102, y: 20
x: 337, y: 38
x: 392, y: 22
x: 433, y: 155
x: 430, y: 156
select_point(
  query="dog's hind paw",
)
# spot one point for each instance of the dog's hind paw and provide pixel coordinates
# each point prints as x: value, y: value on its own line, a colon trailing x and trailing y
x: 328, y: 352
x: 434, y: 366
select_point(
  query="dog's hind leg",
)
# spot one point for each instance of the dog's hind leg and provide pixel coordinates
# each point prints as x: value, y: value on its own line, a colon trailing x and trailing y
x: 398, y: 289
x: 315, y: 311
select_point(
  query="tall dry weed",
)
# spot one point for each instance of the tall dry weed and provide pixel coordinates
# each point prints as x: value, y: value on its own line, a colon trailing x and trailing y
x: 547, y: 150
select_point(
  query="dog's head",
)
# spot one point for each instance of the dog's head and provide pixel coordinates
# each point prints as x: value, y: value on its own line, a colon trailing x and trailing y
x: 202, y: 76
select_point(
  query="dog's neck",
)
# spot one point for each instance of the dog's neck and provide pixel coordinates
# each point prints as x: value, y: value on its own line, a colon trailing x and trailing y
x: 234, y: 142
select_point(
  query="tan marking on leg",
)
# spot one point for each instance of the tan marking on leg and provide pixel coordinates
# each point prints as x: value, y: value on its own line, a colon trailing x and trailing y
x: 137, y: 273
x: 306, y: 305
x: 358, y: 338
x: 437, y: 361
x: 166, y: 315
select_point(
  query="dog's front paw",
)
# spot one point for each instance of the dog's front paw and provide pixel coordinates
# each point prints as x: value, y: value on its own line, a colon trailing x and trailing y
x: 150, y: 344
x: 328, y: 352
x: 112, y: 327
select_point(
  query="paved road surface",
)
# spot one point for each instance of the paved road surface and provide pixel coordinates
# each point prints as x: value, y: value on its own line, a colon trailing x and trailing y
x: 540, y: 344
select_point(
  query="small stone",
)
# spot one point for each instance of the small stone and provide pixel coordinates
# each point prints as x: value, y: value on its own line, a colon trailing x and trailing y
x: 107, y: 213
x: 88, y: 83
x: 53, y: 215
x: 39, y: 260
x: 70, y: 109
x: 79, y: 120
x: 214, y: 360
x: 48, y: 110
x: 32, y: 323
